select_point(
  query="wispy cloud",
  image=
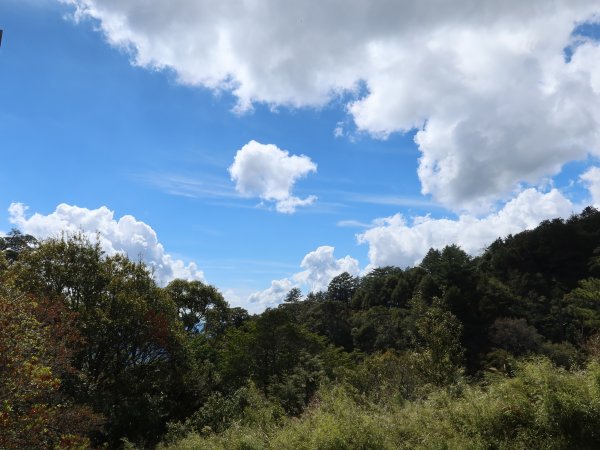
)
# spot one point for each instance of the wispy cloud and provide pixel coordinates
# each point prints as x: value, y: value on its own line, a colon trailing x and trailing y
x: 382, y: 199
x: 351, y: 223
x: 248, y: 267
x: 206, y: 186
x: 247, y: 262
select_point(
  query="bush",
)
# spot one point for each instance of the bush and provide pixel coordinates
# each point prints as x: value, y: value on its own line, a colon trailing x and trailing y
x: 246, y: 407
x: 542, y: 407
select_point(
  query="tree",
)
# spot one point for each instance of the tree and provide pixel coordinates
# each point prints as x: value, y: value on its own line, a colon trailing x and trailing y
x: 135, y: 344
x: 269, y: 351
x: 583, y: 307
x: 438, y: 340
x: 515, y: 336
x: 201, y: 307
x: 294, y: 296
x: 450, y: 267
x: 342, y: 287
x: 327, y: 318
x: 377, y: 288
x: 15, y: 243
x: 34, y: 413
x: 379, y: 328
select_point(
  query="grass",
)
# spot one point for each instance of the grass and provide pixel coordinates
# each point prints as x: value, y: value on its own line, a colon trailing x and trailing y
x: 542, y: 407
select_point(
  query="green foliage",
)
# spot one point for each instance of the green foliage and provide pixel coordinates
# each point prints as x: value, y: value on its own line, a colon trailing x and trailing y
x: 335, y: 422
x: 515, y: 336
x: 246, y: 406
x: 294, y: 296
x: 201, y: 307
x: 449, y: 267
x: 296, y: 387
x: 342, y: 287
x: 33, y: 414
x: 540, y: 407
x: 328, y: 318
x: 265, y: 347
x: 379, y: 328
x: 440, y: 353
x: 377, y: 288
x: 129, y: 326
x: 387, y: 377
x: 15, y: 244
x: 583, y: 307
x: 423, y: 357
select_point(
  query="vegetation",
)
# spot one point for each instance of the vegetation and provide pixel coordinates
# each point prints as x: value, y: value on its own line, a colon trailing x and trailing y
x: 498, y: 351
x: 539, y: 407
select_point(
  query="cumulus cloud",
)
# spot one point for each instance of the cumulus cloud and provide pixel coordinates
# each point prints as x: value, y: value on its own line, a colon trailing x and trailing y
x: 274, y: 294
x: 267, y: 172
x: 486, y: 84
x: 591, y: 178
x: 320, y: 267
x: 400, y: 242
x: 125, y: 235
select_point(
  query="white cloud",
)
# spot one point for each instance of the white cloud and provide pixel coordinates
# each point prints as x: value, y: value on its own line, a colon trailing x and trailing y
x: 320, y: 267
x: 591, y: 178
x: 125, y: 235
x: 352, y: 223
x: 396, y: 241
x: 338, y: 131
x: 273, y: 295
x: 485, y: 83
x: 269, y: 173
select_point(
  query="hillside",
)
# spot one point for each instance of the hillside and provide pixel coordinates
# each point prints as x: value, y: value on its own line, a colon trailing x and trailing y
x: 495, y: 351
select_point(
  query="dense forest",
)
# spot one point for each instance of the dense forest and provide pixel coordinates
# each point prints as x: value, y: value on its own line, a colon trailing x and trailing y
x: 496, y: 351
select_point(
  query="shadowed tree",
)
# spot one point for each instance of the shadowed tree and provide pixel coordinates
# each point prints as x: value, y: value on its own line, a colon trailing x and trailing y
x: 130, y: 328
x: 201, y: 307
x: 342, y: 287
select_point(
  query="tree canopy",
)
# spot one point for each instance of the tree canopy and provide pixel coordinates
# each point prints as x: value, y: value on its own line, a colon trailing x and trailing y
x: 93, y: 352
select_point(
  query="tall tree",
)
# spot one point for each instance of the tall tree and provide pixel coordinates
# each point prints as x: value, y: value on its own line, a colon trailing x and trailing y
x: 342, y: 287
x: 201, y: 307
x: 34, y: 413
x: 438, y: 333
x: 130, y: 327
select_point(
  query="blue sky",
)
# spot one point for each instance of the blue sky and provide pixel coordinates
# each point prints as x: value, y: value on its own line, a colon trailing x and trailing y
x: 136, y: 116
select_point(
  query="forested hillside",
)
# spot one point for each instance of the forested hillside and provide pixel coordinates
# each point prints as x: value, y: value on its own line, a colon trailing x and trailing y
x: 496, y: 351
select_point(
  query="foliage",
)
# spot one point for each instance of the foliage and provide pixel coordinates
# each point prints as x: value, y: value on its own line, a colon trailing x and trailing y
x: 541, y: 407
x: 458, y: 352
x: 246, y: 406
x: 201, y: 307
x: 33, y: 414
x: 126, y: 369
x: 277, y: 354
x: 440, y: 354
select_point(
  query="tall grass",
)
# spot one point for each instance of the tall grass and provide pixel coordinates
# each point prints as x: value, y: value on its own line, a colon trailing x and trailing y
x: 541, y: 407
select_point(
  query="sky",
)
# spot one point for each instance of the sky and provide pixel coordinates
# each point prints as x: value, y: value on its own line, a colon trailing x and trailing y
x: 263, y: 145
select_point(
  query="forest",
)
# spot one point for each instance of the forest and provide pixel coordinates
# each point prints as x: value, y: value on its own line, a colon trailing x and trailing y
x: 498, y: 351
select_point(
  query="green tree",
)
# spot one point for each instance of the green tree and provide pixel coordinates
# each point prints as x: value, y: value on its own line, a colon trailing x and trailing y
x: 201, y: 307
x: 583, y: 307
x: 377, y: 288
x: 272, y: 350
x: 15, y: 243
x: 440, y: 354
x: 379, y: 328
x: 135, y: 346
x: 342, y: 287
x: 294, y: 296
x: 33, y: 411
